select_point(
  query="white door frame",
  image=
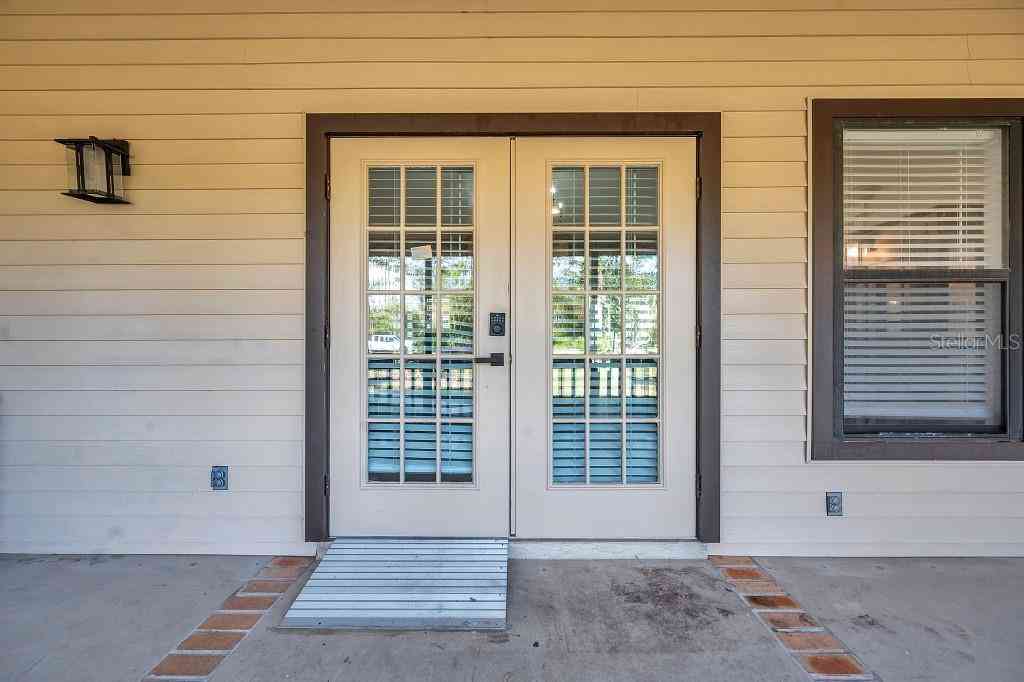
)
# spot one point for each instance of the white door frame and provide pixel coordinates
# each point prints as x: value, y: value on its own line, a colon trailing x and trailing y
x: 705, y: 126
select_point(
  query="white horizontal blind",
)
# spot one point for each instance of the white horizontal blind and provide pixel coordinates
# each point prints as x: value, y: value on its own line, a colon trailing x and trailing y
x: 923, y: 198
x: 922, y: 351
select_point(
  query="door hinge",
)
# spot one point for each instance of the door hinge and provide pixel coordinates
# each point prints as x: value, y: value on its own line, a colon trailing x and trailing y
x: 327, y: 186
x: 700, y: 486
x: 699, y: 186
x: 699, y: 336
x: 327, y: 337
x: 327, y: 486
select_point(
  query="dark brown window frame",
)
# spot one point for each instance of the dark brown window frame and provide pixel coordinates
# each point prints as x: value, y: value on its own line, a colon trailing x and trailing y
x: 706, y: 128
x: 828, y: 440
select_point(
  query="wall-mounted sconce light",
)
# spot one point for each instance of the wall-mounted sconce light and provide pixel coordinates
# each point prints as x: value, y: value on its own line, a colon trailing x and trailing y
x: 96, y: 169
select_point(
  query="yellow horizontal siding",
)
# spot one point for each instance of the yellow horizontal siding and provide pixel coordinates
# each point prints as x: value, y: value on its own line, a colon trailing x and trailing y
x: 113, y: 314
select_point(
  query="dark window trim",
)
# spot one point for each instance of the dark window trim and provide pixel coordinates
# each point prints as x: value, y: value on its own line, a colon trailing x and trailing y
x: 705, y: 127
x: 827, y: 439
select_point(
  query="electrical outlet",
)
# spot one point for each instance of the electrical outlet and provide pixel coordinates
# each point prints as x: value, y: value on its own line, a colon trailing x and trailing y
x: 833, y: 504
x: 218, y: 478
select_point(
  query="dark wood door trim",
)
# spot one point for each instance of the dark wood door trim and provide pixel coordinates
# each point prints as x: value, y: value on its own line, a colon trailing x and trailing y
x: 705, y: 127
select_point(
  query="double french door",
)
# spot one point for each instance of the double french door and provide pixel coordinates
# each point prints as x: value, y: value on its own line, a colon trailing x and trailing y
x: 514, y: 340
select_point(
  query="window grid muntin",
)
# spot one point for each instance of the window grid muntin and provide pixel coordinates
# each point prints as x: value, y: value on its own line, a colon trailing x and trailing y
x: 922, y: 274
x: 585, y: 292
x: 436, y: 293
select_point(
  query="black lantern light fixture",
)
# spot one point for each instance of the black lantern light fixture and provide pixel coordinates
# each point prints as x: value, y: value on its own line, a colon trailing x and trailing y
x: 96, y: 169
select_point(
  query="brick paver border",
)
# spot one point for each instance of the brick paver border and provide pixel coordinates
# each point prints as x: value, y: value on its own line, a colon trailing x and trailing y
x: 199, y: 654
x: 818, y: 651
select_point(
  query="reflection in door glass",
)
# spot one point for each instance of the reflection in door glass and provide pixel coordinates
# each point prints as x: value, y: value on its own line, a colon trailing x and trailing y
x: 568, y: 459
x: 605, y: 331
x: 567, y: 195
x: 605, y: 452
x: 420, y: 305
x: 567, y: 260
x: 420, y: 452
x: 456, y: 452
x: 456, y: 260
x: 383, y: 451
x: 605, y: 388
x: 384, y: 262
x: 607, y: 398
x: 567, y: 391
x: 568, y: 318
x: 383, y: 392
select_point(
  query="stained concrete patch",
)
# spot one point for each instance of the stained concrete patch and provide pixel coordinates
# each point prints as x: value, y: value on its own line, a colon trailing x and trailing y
x: 568, y: 620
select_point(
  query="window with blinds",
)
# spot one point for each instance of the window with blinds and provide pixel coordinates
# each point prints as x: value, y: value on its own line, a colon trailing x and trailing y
x: 924, y: 279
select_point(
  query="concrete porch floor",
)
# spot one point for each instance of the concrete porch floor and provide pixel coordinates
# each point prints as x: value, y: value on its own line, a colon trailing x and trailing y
x: 112, y: 618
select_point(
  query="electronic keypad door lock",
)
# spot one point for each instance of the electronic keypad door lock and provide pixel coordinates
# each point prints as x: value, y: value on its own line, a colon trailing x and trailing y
x: 494, y: 360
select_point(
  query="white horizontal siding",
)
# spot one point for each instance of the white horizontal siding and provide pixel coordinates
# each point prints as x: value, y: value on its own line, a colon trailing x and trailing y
x: 141, y: 344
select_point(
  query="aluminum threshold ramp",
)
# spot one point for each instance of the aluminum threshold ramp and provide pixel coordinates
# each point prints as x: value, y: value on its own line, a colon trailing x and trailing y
x: 406, y: 584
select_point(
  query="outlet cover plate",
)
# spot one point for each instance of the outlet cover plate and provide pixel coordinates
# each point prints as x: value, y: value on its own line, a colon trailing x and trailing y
x: 218, y: 478
x: 833, y: 503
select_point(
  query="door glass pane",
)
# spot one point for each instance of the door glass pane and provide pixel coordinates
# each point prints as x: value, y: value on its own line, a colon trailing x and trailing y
x: 642, y: 324
x: 642, y: 195
x: 384, y: 262
x: 605, y: 260
x: 567, y: 196
x: 420, y: 452
x: 617, y: 273
x: 420, y: 388
x: 457, y: 388
x: 384, y: 313
x: 605, y: 196
x: 568, y: 319
x: 567, y: 260
x: 383, y: 392
x: 642, y: 260
x: 457, y: 324
x: 605, y: 452
x: 429, y: 249
x: 641, y: 452
x: 605, y: 388
x: 568, y: 459
x: 421, y: 196
x: 383, y: 451
x: 456, y: 452
x: 420, y: 260
x: 605, y: 324
x: 384, y: 200
x: 457, y: 196
x: 642, y: 388
x: 420, y: 325
x: 457, y: 260
x: 920, y: 353
x: 567, y: 391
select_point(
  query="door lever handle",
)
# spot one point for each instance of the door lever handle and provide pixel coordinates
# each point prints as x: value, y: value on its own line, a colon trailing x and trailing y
x: 494, y: 360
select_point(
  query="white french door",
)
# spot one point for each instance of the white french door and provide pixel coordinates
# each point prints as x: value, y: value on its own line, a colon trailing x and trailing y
x: 605, y: 345
x: 419, y: 437
x: 594, y: 240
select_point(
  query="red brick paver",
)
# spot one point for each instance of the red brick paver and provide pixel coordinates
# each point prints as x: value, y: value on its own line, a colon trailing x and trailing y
x: 230, y: 621
x: 772, y: 602
x: 831, y: 664
x: 204, y: 640
x: 809, y: 641
x: 223, y: 630
x: 237, y: 603
x: 186, y: 665
x: 788, y: 620
x: 817, y: 650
